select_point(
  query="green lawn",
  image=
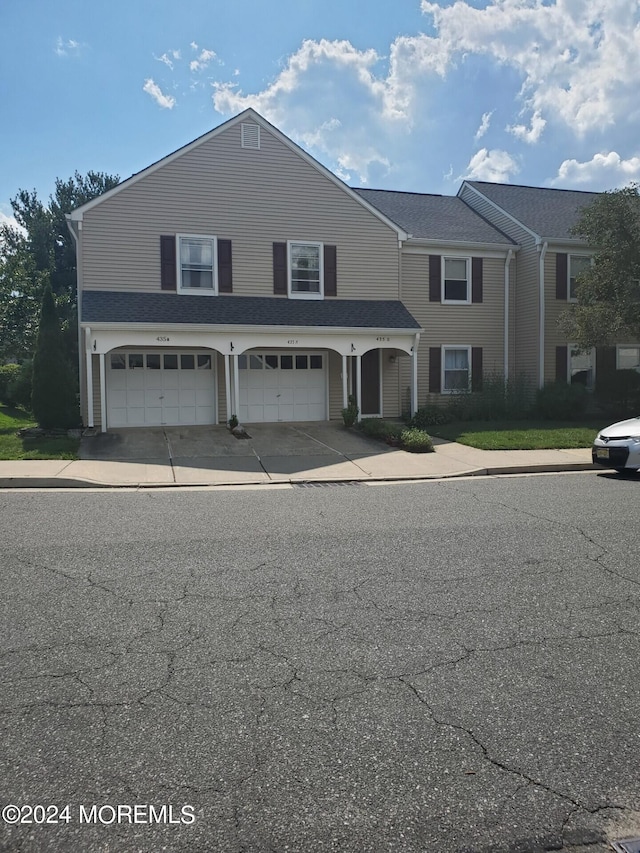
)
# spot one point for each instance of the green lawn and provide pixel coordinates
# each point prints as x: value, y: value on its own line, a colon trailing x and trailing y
x: 13, y: 447
x: 521, y: 435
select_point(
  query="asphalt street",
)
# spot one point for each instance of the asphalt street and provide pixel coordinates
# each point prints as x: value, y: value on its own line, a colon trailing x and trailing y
x: 442, y: 666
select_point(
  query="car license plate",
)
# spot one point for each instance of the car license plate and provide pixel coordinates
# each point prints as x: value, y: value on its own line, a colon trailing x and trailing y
x: 602, y: 452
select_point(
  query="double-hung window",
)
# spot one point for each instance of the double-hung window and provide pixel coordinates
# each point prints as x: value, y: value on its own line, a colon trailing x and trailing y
x: 196, y: 258
x: 306, y: 274
x: 578, y: 264
x: 581, y: 368
x: 456, y: 369
x: 628, y: 357
x: 455, y: 280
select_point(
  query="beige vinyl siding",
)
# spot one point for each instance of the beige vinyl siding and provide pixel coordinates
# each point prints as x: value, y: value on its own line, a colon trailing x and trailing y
x: 554, y: 308
x: 253, y: 198
x: 391, y: 397
x: 95, y: 362
x: 476, y: 325
x: 335, y: 385
x: 221, y: 401
x: 527, y: 312
x: 524, y: 308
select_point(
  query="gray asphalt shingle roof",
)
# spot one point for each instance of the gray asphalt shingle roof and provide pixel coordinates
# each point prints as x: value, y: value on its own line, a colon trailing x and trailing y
x: 105, y: 306
x: 547, y: 212
x: 434, y: 217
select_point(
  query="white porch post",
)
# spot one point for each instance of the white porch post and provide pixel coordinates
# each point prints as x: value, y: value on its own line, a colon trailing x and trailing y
x: 414, y: 378
x: 359, y: 386
x: 227, y: 386
x: 103, y: 395
x: 236, y: 388
x: 345, y: 389
x: 89, y: 389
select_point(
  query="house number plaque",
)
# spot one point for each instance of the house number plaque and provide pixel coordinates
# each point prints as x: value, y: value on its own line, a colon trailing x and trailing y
x: 163, y: 338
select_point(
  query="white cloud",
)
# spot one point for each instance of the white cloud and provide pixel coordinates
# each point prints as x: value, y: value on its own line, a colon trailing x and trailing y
x: 579, y: 59
x: 532, y: 133
x: 603, y: 170
x: 67, y: 47
x: 339, y: 80
x: 494, y: 165
x: 168, y: 57
x: 151, y: 88
x: 203, y: 59
x: 484, y: 125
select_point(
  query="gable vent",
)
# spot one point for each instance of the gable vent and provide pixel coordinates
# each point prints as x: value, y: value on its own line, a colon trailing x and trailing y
x: 250, y: 135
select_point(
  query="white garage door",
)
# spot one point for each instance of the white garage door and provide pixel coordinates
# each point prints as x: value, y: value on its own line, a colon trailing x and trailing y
x: 287, y: 386
x: 160, y: 388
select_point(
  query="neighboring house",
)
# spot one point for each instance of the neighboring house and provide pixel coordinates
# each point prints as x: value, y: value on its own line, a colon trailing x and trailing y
x: 548, y: 263
x: 456, y: 280
x: 238, y: 276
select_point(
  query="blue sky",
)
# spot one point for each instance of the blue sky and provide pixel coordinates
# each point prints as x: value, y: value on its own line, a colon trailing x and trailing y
x: 394, y: 94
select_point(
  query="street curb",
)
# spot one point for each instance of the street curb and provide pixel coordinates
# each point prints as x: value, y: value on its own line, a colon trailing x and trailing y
x: 69, y: 483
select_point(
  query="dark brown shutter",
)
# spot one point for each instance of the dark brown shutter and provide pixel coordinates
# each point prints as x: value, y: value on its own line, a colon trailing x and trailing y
x: 476, y: 368
x: 280, y: 268
x: 476, y: 279
x: 168, y: 262
x: 330, y: 271
x: 561, y: 364
x: 435, y: 285
x: 561, y: 276
x: 225, y: 278
x: 435, y: 363
x: 605, y: 362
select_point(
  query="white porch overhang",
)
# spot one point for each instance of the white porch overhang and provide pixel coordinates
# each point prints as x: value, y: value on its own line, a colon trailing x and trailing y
x: 350, y: 343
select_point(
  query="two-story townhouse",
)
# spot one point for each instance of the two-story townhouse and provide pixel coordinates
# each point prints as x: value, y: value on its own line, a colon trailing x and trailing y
x: 458, y: 280
x: 238, y: 276
x: 548, y: 263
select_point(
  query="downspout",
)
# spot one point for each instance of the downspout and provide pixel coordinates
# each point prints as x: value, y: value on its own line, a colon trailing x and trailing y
x: 507, y: 264
x: 543, y: 251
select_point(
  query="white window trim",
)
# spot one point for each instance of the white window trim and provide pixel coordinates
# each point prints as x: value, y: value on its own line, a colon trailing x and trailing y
x: 467, y: 261
x: 571, y: 298
x: 593, y: 365
x: 290, y: 292
x: 622, y: 346
x: 197, y: 291
x: 443, y: 349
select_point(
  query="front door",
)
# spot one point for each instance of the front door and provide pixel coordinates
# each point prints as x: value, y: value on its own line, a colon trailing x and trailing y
x: 371, y: 402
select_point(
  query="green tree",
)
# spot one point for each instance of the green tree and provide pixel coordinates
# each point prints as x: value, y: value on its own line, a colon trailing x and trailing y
x: 41, y: 251
x: 608, y: 307
x: 53, y: 397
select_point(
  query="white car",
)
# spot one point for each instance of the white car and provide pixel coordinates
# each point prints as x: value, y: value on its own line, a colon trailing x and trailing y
x: 618, y: 446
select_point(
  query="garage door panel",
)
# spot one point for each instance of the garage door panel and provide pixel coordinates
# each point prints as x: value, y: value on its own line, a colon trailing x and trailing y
x: 152, y: 389
x: 283, y: 387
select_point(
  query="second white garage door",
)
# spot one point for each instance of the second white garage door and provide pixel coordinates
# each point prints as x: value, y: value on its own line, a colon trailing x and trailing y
x: 286, y: 386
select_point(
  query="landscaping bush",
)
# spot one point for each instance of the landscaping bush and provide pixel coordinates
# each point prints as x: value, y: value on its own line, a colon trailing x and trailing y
x: 428, y: 416
x: 54, y: 393
x: 350, y: 414
x: 8, y: 373
x: 19, y: 390
x: 618, y: 393
x: 559, y: 401
x: 416, y: 440
x: 498, y: 400
x: 376, y: 428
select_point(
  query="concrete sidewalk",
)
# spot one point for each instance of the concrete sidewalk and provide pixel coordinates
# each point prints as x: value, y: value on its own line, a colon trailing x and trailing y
x: 283, y: 453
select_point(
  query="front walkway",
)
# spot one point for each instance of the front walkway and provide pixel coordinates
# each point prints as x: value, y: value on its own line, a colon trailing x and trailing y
x: 275, y: 453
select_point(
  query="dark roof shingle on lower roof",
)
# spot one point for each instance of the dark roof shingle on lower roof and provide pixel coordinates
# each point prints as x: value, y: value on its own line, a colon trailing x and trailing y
x: 106, y: 306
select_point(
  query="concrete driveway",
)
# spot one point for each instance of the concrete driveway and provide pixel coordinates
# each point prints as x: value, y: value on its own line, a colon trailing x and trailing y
x: 272, y: 452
